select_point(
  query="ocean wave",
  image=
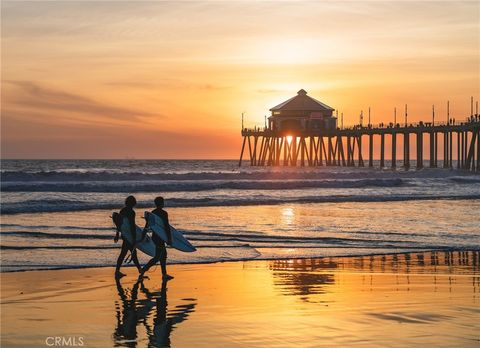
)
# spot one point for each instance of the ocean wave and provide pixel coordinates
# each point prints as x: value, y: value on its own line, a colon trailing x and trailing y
x: 205, y: 237
x: 192, y: 186
x: 100, y: 247
x: 53, y: 235
x: 52, y: 226
x: 253, y: 239
x: 465, y: 180
x: 253, y: 173
x: 65, y: 205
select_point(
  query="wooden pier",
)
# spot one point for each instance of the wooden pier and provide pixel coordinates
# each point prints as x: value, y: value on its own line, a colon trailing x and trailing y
x: 345, y: 147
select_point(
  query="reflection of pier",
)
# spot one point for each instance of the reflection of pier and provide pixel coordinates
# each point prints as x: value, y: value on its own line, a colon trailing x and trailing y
x: 304, y: 277
x: 303, y: 131
x: 406, y: 262
x: 298, y: 277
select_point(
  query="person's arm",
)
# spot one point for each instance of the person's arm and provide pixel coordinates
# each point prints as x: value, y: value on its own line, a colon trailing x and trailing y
x: 145, y: 229
x: 167, y: 227
x: 133, y: 227
x: 117, y: 227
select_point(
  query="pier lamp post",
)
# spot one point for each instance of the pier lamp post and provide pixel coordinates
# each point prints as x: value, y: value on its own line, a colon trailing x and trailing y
x: 433, y: 115
x: 448, y: 111
x: 471, y: 106
x: 406, y: 115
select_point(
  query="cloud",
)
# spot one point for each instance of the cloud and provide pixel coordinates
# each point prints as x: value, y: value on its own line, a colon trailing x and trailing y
x: 31, y: 95
x: 142, y: 82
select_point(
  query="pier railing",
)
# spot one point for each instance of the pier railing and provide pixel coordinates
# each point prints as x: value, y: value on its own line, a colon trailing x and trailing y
x: 472, y: 120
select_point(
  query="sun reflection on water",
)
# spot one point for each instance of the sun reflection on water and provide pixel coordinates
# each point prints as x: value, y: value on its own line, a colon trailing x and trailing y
x: 288, y: 216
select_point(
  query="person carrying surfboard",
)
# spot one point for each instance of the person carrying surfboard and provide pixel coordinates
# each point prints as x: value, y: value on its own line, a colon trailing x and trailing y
x: 129, y: 213
x: 160, y: 250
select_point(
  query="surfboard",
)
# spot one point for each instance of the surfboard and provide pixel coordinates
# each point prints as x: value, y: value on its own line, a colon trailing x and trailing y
x: 179, y: 242
x: 146, y: 245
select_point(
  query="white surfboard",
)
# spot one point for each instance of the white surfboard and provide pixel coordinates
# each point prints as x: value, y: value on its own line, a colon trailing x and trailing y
x: 179, y: 242
x: 146, y: 245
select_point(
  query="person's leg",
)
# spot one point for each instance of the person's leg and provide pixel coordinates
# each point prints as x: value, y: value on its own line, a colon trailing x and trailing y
x: 163, y: 262
x: 121, y: 257
x: 133, y: 252
x: 135, y: 259
x: 152, y: 261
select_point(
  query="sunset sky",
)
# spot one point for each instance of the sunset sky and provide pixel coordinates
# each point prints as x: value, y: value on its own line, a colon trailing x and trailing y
x: 171, y: 79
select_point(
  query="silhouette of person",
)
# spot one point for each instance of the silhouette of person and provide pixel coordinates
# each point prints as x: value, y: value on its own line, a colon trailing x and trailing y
x: 129, y: 213
x: 160, y: 249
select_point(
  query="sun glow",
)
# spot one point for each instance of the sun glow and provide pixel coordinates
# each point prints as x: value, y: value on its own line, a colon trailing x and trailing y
x: 289, y: 139
x: 288, y: 51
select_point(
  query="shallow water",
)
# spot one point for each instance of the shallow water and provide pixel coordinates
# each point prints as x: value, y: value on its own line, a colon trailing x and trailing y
x: 79, y: 239
x: 56, y: 214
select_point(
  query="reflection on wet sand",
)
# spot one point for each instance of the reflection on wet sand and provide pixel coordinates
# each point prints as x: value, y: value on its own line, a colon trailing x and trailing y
x: 151, y: 310
x: 304, y: 277
x: 404, y: 300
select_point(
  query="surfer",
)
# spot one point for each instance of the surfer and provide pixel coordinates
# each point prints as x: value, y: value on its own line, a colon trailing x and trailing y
x: 129, y: 213
x: 160, y: 249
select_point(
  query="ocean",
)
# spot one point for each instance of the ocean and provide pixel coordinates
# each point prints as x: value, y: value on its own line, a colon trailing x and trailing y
x: 56, y: 213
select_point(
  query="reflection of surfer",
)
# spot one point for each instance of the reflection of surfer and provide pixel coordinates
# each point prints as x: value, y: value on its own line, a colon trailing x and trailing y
x: 160, y: 249
x: 134, y: 310
x: 159, y: 336
x: 127, y: 318
x: 164, y: 322
x: 129, y: 213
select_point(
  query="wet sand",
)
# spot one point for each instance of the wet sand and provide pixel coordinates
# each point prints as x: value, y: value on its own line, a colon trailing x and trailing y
x: 430, y: 298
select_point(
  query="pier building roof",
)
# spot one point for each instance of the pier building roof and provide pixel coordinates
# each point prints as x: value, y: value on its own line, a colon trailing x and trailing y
x: 302, y: 102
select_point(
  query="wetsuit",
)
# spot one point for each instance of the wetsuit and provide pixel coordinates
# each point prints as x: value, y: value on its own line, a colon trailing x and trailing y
x: 160, y: 249
x: 129, y: 213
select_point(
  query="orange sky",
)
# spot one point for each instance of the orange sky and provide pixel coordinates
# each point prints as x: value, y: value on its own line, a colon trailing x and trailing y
x: 171, y: 79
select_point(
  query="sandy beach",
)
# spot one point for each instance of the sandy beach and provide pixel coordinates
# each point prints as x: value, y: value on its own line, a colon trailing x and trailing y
x: 429, y: 298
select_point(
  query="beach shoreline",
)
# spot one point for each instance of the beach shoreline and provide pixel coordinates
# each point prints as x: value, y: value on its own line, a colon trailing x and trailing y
x: 432, y: 297
x: 266, y: 259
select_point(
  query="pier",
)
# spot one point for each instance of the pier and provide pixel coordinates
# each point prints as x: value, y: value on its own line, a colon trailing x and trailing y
x: 307, y: 143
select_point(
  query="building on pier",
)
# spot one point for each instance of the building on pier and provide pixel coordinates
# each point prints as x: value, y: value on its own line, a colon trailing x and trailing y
x: 301, y: 113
